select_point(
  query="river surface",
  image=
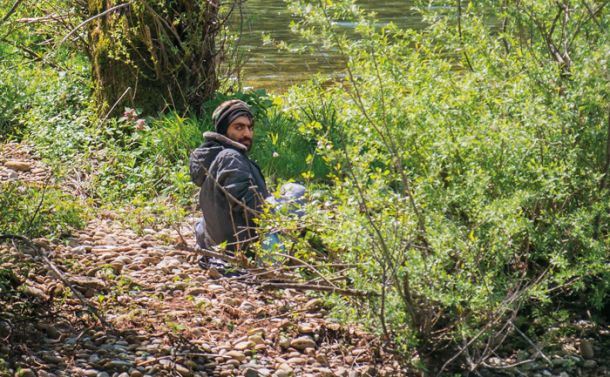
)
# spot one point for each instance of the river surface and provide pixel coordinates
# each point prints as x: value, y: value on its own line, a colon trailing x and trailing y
x: 267, y: 68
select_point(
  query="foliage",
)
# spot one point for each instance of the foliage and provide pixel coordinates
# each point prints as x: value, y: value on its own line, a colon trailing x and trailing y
x: 469, y: 166
x: 36, y: 211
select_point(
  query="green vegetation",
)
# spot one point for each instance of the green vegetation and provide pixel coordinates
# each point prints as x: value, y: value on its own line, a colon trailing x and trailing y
x: 37, y: 211
x: 469, y: 168
x: 460, y: 171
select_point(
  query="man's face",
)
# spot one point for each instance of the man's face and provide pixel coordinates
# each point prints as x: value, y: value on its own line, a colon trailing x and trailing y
x: 242, y: 131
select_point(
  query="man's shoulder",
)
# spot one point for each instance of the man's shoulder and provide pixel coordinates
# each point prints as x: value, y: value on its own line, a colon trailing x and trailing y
x: 230, y: 156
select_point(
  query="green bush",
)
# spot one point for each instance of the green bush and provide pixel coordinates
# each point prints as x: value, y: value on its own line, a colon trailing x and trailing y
x: 34, y: 211
x: 468, y: 168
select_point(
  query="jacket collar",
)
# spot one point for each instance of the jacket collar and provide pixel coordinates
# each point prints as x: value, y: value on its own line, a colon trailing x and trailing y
x: 209, y: 135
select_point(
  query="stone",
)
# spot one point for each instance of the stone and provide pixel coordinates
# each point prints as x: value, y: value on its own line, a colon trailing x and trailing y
x: 342, y: 372
x: 306, y: 328
x: 284, y: 343
x: 586, y: 349
x: 313, y: 306
x: 322, y: 359
x: 119, y: 364
x: 256, y: 339
x: 51, y: 331
x: 81, y: 249
x: 169, y: 263
x: 88, y: 282
x: 213, y: 273
x: 25, y: 373
x: 285, y: 367
x: 303, y: 342
x: 33, y: 292
x: 236, y: 355
x: 214, y: 288
x: 195, y: 291
x: 90, y: 373
x: 559, y: 362
x: 242, y: 346
x: 246, y: 306
x: 18, y: 165
x: 564, y: 374
x: 589, y: 364
x: 251, y: 372
x: 183, y: 371
x: 297, y: 361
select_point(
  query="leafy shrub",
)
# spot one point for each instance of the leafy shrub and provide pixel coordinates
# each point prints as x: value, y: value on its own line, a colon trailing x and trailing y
x: 33, y: 211
x: 468, y: 178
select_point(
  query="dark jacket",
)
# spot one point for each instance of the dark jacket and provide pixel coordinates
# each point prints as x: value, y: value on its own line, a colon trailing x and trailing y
x: 232, y: 192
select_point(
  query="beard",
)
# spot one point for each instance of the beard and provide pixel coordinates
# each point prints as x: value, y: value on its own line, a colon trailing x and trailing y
x: 247, y: 142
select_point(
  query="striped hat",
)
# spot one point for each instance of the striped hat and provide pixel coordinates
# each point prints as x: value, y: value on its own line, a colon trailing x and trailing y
x: 227, y: 112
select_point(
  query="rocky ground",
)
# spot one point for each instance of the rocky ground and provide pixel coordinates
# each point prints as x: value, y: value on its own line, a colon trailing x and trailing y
x: 161, y: 315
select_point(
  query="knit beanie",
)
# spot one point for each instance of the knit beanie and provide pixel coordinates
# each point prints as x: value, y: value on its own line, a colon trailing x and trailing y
x: 227, y: 112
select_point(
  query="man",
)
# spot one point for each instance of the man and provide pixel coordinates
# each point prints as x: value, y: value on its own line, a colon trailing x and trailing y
x: 233, y: 189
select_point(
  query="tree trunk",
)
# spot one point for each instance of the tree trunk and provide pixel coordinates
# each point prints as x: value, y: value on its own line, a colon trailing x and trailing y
x: 154, y: 55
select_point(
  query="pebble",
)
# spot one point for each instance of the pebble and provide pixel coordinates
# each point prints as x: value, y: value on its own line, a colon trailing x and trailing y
x: 25, y: 373
x: 18, y: 165
x: 586, y: 349
x: 297, y: 361
x: 237, y: 355
x: 183, y: 371
x: 241, y: 346
x: 306, y: 328
x: 589, y: 364
x: 303, y: 342
x: 251, y: 372
x: 284, y: 343
x: 168, y: 264
x: 313, y: 305
x: 214, y: 288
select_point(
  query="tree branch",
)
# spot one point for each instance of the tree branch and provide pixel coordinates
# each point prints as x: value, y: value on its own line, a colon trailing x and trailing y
x: 39, y: 253
x: 91, y: 19
x: 322, y: 288
x: 11, y: 11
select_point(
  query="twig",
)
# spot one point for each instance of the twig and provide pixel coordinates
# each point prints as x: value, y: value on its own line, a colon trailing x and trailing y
x: 92, y: 309
x: 11, y: 11
x: 35, y: 214
x: 209, y: 253
x: 322, y: 288
x: 549, y: 362
x: 308, y: 265
x: 91, y: 19
x: 113, y: 106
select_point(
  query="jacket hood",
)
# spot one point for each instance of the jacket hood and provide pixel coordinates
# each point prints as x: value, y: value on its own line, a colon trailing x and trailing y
x: 215, y: 136
x: 202, y: 158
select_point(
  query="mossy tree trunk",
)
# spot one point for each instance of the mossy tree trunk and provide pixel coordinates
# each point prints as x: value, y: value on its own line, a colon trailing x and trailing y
x: 156, y: 55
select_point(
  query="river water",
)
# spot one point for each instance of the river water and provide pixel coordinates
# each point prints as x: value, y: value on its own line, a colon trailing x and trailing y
x: 267, y: 68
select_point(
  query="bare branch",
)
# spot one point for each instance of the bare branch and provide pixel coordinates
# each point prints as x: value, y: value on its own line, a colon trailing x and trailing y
x: 10, y: 12
x: 56, y: 272
x: 93, y: 18
x: 322, y: 288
